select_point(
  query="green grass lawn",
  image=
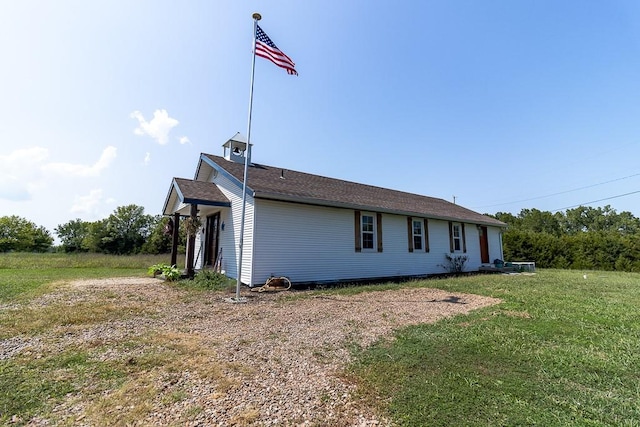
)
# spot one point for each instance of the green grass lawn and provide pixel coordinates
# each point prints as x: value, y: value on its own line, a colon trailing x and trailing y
x: 561, y: 350
x: 30, y: 386
x: 23, y: 275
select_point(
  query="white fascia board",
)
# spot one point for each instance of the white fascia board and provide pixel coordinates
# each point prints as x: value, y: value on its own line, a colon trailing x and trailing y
x: 222, y: 171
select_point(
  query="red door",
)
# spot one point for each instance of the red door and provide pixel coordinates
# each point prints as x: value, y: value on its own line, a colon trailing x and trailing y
x: 484, y: 245
x: 211, y: 242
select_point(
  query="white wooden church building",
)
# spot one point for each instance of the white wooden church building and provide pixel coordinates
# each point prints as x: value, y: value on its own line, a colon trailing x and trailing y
x: 315, y: 229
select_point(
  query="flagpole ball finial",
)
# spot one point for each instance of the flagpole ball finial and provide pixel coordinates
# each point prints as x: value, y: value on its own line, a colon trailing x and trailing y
x: 257, y: 16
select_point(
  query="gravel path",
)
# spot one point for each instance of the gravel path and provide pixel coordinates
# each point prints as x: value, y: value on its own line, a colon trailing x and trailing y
x: 280, y: 360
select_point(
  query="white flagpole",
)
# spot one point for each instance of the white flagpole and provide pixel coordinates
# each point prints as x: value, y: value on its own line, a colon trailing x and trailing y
x: 247, y: 155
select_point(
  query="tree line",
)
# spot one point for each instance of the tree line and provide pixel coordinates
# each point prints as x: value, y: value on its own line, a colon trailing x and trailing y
x: 128, y: 230
x: 581, y: 238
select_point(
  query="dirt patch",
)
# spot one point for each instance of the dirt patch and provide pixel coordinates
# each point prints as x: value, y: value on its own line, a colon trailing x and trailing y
x: 271, y: 361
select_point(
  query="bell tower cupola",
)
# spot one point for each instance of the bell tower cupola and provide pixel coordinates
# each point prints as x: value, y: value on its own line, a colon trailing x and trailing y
x: 235, y: 149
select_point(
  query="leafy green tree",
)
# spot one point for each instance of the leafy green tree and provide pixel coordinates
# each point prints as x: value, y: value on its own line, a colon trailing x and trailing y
x: 629, y: 257
x: 587, y: 251
x: 584, y: 219
x: 527, y: 245
x: 97, y: 231
x: 627, y: 224
x: 20, y: 234
x: 511, y: 220
x: 577, y: 220
x: 73, y: 235
x: 580, y: 238
x: 517, y: 246
x: 159, y: 241
x: 126, y: 230
x: 540, y: 221
x: 42, y: 239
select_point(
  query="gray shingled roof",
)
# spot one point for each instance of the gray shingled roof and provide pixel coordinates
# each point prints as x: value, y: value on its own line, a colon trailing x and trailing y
x: 201, y: 193
x: 270, y: 182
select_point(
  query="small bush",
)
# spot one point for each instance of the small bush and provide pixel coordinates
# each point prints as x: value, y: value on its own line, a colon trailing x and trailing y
x: 170, y: 272
x: 454, y: 264
x: 210, y: 280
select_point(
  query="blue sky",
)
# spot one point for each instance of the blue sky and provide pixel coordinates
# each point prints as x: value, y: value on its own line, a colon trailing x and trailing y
x: 503, y: 104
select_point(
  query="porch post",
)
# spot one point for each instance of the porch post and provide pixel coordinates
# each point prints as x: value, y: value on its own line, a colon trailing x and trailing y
x: 175, y: 238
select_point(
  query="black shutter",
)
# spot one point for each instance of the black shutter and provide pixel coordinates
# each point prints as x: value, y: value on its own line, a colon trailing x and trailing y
x: 379, y: 226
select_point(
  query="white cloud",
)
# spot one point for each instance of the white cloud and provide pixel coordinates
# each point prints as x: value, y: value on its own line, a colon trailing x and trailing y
x: 89, y: 204
x: 20, y: 172
x: 157, y: 128
x: 70, y: 169
x: 24, y: 155
x: 12, y: 189
x: 184, y: 140
x: 147, y: 158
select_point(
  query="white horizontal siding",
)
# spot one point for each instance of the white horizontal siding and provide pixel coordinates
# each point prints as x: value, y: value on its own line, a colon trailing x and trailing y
x: 474, y: 258
x: 230, y: 236
x: 198, y: 253
x: 495, y: 243
x: 311, y: 243
x: 225, y: 217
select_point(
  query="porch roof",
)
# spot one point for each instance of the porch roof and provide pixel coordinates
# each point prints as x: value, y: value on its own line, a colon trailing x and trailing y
x: 188, y: 191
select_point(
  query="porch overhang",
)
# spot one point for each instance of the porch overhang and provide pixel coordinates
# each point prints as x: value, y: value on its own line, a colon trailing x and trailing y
x: 185, y: 192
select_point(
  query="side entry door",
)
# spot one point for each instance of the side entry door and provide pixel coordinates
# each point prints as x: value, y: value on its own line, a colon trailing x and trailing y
x: 211, y: 240
x: 484, y: 245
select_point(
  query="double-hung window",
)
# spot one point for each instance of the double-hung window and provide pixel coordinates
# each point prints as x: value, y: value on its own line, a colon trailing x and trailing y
x: 368, y: 231
x: 417, y: 235
x: 457, y: 241
x: 457, y: 238
x: 368, y: 227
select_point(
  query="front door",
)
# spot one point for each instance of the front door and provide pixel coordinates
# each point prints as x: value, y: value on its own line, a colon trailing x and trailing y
x: 211, y: 240
x: 484, y: 245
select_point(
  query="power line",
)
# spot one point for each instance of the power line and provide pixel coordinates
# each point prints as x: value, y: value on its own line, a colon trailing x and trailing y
x: 596, y: 201
x: 563, y: 192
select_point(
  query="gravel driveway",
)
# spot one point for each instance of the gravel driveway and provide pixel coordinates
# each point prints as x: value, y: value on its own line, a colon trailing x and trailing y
x: 281, y: 358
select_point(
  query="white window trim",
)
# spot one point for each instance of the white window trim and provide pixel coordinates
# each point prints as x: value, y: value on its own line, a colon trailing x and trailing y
x: 414, y: 235
x: 459, y: 238
x: 374, y: 231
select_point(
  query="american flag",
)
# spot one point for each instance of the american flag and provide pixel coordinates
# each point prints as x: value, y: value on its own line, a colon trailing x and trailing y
x: 268, y: 50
